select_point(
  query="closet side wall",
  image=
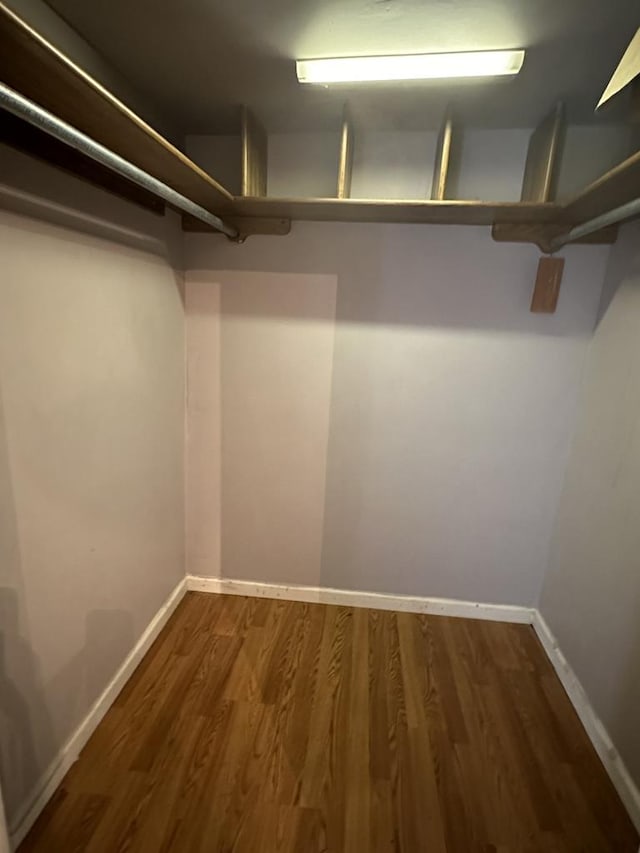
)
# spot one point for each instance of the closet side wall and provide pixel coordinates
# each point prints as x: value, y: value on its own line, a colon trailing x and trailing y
x: 591, y: 594
x: 91, y: 453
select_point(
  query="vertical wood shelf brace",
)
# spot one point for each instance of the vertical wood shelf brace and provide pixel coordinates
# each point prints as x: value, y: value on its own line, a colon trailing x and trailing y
x: 345, y: 162
x: 254, y: 156
x: 544, y: 156
x: 441, y: 171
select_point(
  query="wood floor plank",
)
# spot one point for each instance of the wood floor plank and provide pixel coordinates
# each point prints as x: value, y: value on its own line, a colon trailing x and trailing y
x: 248, y: 674
x: 403, y: 818
x: 199, y: 796
x: 236, y: 788
x: 73, y: 820
x: 447, y: 732
x: 283, y: 758
x: 335, y: 769
x: 304, y: 686
x: 204, y: 762
x: 464, y: 818
x: 316, y: 765
x: 542, y: 733
x: 434, y: 641
x: 421, y: 714
x: 235, y: 610
x: 218, y: 663
x: 151, y: 742
x: 379, y: 747
x: 264, y: 726
x: 358, y: 783
x: 509, y: 814
x: 516, y: 733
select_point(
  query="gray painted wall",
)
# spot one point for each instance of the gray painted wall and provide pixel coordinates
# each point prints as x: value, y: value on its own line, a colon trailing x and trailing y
x: 451, y: 405
x: 91, y: 457
x: 591, y: 594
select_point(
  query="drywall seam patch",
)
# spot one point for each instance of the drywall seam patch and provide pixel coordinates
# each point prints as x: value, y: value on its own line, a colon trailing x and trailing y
x: 598, y: 735
x: 55, y: 772
x: 374, y: 600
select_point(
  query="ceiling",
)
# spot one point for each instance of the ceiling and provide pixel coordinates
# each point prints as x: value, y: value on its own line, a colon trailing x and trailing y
x: 198, y: 60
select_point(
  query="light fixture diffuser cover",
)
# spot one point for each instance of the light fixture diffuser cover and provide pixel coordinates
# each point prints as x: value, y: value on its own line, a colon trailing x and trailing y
x: 416, y: 66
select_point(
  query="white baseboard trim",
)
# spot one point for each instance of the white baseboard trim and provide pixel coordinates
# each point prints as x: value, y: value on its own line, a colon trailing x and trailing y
x: 374, y: 600
x: 56, y: 771
x: 603, y: 745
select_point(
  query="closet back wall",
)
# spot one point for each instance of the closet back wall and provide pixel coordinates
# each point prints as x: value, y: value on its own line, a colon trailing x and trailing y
x: 91, y: 458
x: 393, y: 417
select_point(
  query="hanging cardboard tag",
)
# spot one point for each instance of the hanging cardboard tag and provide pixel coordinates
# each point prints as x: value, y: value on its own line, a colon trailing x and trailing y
x: 547, y: 289
x: 627, y: 70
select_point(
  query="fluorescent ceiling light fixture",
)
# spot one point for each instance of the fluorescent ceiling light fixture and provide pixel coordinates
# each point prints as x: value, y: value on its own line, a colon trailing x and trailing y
x: 417, y: 66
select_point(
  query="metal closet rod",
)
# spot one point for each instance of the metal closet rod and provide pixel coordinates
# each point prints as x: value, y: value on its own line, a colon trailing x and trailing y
x: 29, y: 111
x: 611, y: 217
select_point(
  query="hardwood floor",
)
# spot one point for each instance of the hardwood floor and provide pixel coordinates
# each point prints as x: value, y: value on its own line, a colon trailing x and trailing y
x: 260, y: 726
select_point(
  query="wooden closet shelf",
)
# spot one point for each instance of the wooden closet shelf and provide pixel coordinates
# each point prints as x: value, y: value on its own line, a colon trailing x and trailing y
x: 418, y: 211
x: 42, y: 73
x: 35, y: 68
x: 613, y: 189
